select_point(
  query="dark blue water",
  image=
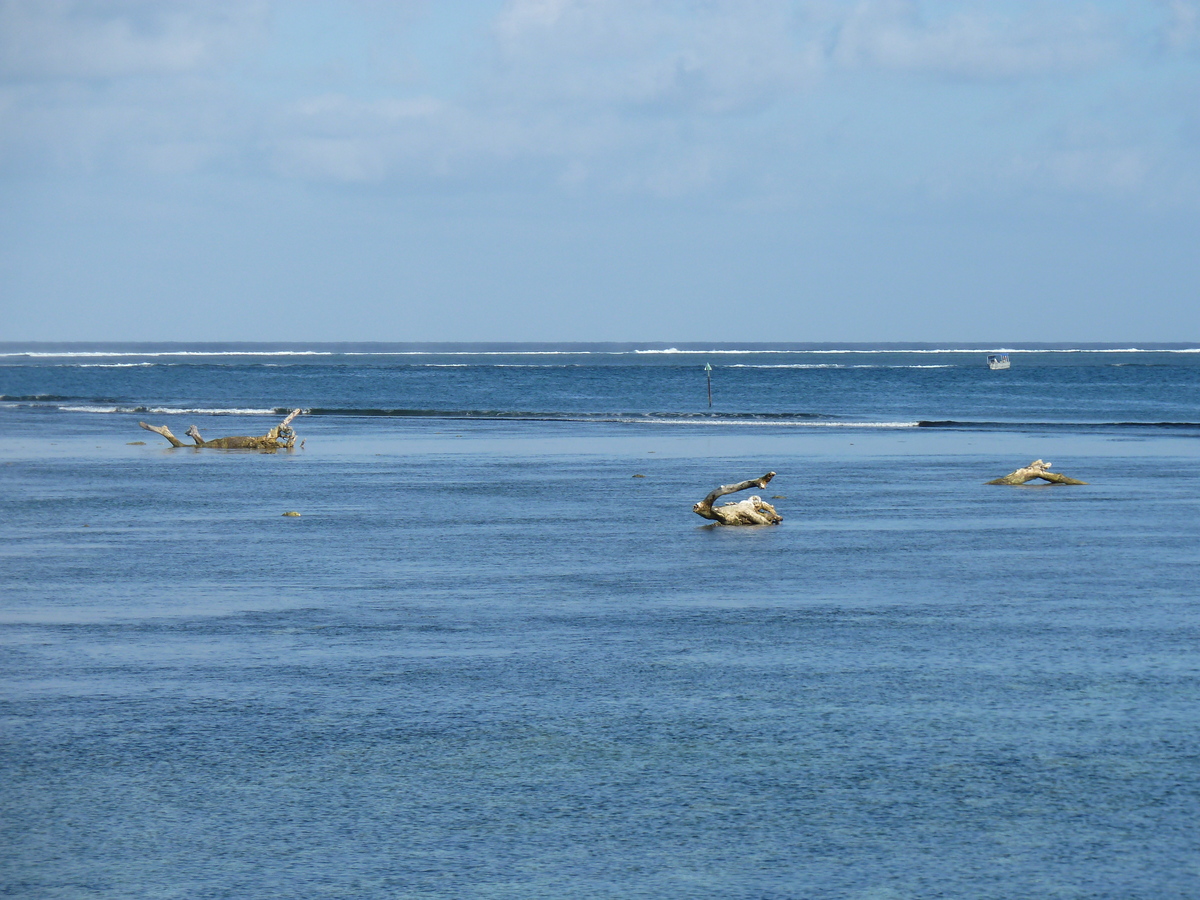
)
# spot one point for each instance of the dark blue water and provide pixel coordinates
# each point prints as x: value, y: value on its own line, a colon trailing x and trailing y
x: 487, y: 661
x: 825, y: 386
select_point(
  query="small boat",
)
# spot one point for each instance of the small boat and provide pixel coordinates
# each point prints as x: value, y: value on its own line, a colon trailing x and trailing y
x: 998, y: 361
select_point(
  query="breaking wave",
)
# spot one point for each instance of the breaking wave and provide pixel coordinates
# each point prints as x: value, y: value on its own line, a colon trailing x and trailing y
x: 1050, y: 426
x: 172, y: 410
x: 17, y: 352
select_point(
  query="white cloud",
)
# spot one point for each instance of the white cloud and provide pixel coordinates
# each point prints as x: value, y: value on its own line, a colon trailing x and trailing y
x: 1089, y: 170
x: 340, y: 159
x: 975, y: 41
x: 1182, y: 28
x: 714, y: 58
x: 334, y: 115
x: 659, y: 97
x: 110, y: 38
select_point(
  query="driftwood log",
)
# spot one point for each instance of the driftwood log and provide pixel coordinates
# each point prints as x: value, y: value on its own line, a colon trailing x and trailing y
x: 1036, y: 469
x: 281, y: 437
x: 754, y: 511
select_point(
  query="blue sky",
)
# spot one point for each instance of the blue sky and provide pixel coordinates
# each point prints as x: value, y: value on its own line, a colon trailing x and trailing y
x: 812, y: 170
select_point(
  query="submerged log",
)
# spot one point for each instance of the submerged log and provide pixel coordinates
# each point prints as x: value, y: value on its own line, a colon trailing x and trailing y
x: 754, y: 511
x: 281, y: 437
x: 1036, y: 469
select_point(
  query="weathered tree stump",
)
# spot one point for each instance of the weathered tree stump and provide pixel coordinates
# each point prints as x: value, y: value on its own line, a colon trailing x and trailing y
x: 1036, y: 469
x: 754, y: 511
x: 281, y: 437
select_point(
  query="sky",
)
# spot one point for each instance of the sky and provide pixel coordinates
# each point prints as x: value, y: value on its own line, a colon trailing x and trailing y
x: 600, y: 170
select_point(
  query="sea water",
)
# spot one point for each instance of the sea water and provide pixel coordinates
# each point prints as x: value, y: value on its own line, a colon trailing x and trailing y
x: 490, y: 660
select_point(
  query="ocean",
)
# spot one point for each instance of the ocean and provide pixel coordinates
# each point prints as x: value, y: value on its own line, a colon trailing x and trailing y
x: 498, y: 656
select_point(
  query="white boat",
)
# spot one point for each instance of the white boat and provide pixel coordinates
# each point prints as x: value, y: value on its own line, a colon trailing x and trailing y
x: 998, y: 361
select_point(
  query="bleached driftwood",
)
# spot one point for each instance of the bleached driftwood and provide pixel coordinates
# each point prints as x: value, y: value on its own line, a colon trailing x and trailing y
x: 281, y: 437
x: 754, y: 511
x: 1036, y: 469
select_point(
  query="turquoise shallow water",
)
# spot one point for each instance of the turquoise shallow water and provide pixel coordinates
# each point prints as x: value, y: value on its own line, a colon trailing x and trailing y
x: 486, y: 661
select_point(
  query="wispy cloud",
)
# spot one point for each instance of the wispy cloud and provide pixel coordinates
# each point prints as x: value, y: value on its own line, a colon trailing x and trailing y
x: 119, y: 38
x: 650, y: 96
x: 984, y: 41
x: 1182, y: 29
x: 715, y: 58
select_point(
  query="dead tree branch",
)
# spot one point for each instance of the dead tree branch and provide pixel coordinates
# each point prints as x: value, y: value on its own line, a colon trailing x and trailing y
x: 754, y: 511
x: 1036, y: 469
x: 281, y: 437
